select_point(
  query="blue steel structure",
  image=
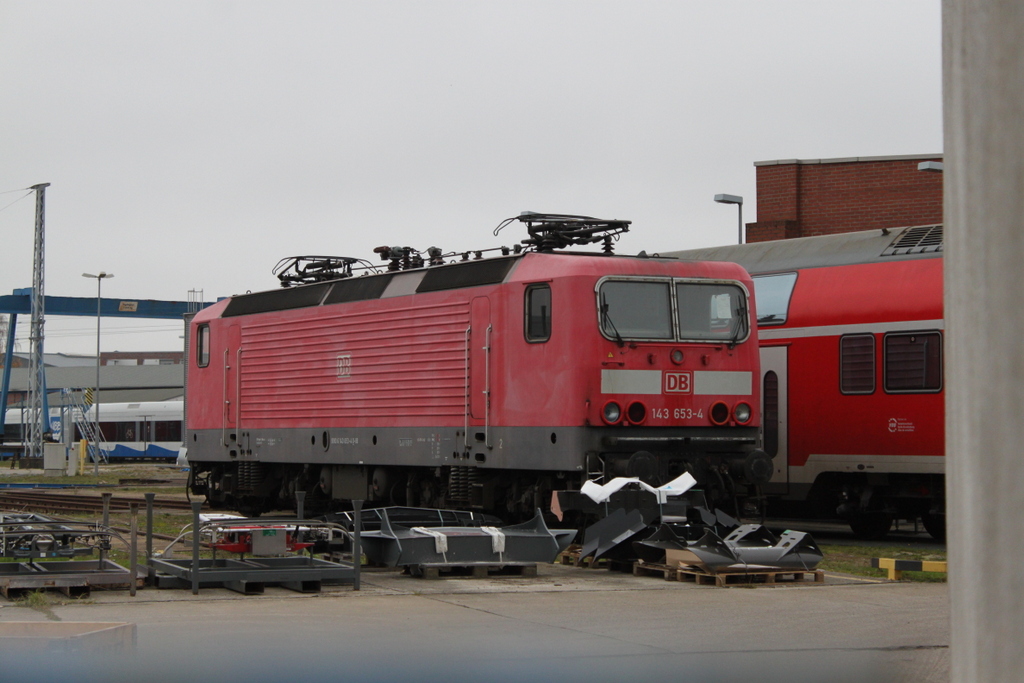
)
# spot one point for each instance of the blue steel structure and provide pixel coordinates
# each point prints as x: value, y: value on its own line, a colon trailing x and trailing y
x: 20, y: 302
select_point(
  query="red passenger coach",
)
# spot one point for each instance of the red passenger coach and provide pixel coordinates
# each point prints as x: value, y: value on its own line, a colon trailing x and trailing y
x: 483, y: 383
x: 851, y: 336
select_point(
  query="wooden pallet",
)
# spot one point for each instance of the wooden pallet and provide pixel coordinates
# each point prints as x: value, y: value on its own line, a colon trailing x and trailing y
x: 473, y: 571
x: 572, y: 557
x: 701, y: 577
x: 641, y: 568
x: 746, y: 578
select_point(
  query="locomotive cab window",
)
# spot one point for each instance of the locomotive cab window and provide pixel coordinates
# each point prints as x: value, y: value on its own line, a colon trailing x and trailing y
x: 676, y: 310
x: 913, y: 362
x: 711, y: 311
x: 773, y: 293
x: 538, y: 313
x: 636, y: 309
x: 203, y: 346
x: 857, y: 364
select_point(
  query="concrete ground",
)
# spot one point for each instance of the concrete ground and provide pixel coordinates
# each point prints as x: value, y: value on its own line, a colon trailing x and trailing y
x: 567, y: 623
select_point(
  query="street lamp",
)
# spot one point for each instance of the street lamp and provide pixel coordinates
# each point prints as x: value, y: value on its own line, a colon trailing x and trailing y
x: 733, y: 199
x: 96, y: 396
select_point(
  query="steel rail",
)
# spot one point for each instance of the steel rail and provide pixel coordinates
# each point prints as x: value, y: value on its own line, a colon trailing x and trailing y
x: 57, y: 501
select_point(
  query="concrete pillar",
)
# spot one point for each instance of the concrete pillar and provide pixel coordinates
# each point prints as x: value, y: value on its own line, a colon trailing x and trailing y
x: 983, y: 67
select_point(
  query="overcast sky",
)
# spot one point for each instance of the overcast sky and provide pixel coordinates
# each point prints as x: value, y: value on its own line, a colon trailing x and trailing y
x: 192, y: 145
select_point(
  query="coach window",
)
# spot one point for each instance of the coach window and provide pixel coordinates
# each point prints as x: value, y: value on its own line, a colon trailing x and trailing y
x: 635, y: 309
x: 167, y: 430
x: 538, y: 313
x: 773, y: 293
x: 203, y: 346
x: 913, y: 362
x: 857, y: 364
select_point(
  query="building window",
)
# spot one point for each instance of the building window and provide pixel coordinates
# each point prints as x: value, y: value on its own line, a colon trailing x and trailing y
x: 857, y: 364
x: 203, y: 346
x: 538, y: 313
x: 913, y: 362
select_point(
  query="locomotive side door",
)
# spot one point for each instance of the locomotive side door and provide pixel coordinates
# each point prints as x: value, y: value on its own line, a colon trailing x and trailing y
x: 231, y: 377
x: 775, y: 412
x: 479, y: 359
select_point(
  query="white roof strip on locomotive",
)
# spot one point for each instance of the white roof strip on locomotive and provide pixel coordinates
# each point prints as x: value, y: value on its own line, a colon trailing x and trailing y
x: 859, y: 328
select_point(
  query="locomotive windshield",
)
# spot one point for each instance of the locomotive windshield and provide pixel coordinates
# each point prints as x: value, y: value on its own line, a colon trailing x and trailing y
x: 712, y: 311
x: 637, y: 310
x: 676, y: 310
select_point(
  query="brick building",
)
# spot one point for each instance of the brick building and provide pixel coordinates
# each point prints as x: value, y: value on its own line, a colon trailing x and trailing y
x: 805, y: 197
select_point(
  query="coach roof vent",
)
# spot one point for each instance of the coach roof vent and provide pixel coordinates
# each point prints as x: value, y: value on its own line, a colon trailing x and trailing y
x: 921, y: 240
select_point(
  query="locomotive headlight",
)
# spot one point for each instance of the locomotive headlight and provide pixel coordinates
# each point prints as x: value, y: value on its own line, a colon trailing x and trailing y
x: 636, y: 412
x: 741, y: 413
x: 719, y: 413
x: 612, y: 412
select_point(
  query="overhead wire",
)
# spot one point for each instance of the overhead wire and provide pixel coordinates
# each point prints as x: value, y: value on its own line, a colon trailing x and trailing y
x: 16, y: 200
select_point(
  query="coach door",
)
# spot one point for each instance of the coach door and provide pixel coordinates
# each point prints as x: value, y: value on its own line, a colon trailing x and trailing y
x: 775, y: 411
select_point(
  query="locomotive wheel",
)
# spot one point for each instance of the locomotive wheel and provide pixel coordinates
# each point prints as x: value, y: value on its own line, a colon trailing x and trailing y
x: 871, y: 526
x: 935, y: 525
x: 249, y: 507
x: 644, y: 465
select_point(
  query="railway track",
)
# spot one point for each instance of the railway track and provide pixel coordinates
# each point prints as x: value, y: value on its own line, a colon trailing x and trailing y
x: 60, y: 502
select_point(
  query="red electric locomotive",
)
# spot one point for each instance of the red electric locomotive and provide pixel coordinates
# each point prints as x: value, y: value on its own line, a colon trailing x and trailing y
x: 851, y: 336
x: 483, y: 383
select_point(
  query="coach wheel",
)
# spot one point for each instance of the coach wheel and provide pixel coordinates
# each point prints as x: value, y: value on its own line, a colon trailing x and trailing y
x: 935, y: 525
x: 871, y: 526
x: 249, y: 507
x: 757, y: 467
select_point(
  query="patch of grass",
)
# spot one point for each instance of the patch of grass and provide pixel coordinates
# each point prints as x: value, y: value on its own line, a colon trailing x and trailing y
x: 36, y: 600
x: 43, y: 601
x: 109, y: 475
x: 856, y: 560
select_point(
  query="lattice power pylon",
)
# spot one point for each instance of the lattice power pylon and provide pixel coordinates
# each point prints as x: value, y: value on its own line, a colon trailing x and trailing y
x: 37, y: 378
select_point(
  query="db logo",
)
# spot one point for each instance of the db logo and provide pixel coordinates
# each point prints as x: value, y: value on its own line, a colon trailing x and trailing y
x: 344, y: 366
x: 678, y: 383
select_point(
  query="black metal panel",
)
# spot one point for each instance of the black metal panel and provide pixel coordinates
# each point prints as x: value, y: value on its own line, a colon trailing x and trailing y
x: 466, y: 274
x: 358, y: 289
x: 919, y: 240
x: 276, y: 300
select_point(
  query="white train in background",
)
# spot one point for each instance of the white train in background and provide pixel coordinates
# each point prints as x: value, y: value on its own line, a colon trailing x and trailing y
x: 128, y: 431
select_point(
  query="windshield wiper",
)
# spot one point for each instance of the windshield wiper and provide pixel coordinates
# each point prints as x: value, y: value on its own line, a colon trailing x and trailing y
x: 741, y: 326
x: 606, y: 321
